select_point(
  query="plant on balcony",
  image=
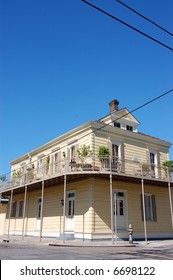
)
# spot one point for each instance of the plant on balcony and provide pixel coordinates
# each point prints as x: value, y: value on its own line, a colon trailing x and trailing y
x: 84, y: 152
x: 168, y: 166
x: 103, y: 154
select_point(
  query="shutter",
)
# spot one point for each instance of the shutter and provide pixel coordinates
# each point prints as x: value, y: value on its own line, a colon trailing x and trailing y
x: 122, y: 157
x: 68, y: 154
x: 76, y: 153
x: 147, y: 156
x: 142, y: 214
x: 154, y: 208
x: 59, y: 163
x: 158, y: 165
x: 110, y: 148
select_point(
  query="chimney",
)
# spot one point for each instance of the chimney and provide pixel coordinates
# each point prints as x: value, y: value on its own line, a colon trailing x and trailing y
x: 113, y: 106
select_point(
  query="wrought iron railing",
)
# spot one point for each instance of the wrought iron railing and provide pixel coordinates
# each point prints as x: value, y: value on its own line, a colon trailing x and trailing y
x: 31, y: 173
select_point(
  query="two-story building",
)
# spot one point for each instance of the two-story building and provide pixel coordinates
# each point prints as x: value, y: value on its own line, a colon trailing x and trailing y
x: 91, y: 183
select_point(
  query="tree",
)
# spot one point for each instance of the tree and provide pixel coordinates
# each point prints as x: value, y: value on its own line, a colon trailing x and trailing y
x: 168, y: 164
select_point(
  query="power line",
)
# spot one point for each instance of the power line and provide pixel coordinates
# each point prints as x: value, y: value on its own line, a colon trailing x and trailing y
x: 106, y: 124
x: 151, y: 21
x: 128, y: 25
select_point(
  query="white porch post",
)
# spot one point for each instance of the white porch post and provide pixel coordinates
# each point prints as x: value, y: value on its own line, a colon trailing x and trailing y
x: 24, y: 211
x: 170, y: 201
x: 64, y: 207
x: 111, y: 202
x: 144, y: 215
x: 9, y: 216
x: 41, y: 214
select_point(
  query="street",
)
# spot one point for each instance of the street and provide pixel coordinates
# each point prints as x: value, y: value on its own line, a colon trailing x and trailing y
x: 36, y: 251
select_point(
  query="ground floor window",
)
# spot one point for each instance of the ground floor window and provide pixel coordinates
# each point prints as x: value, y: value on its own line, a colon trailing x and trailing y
x: 150, y: 207
x: 13, y: 209
x: 21, y: 204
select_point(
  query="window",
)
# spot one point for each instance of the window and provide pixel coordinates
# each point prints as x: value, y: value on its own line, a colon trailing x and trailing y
x: 117, y: 124
x: 150, y: 207
x: 21, y: 204
x: 71, y: 204
x: 129, y: 127
x: 13, y: 209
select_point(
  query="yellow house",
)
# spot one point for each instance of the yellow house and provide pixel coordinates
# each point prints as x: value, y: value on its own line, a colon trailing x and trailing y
x: 91, y: 183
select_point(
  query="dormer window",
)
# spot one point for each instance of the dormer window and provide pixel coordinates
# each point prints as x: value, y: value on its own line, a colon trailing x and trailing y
x: 117, y: 124
x: 129, y: 127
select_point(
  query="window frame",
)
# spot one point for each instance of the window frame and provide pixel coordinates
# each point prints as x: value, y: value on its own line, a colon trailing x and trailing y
x: 150, y: 212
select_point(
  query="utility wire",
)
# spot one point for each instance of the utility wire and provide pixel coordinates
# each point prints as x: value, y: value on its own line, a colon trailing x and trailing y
x: 106, y: 124
x: 151, y: 21
x: 128, y: 25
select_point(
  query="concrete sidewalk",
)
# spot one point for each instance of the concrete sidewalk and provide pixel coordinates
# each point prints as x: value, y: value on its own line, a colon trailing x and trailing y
x: 78, y: 243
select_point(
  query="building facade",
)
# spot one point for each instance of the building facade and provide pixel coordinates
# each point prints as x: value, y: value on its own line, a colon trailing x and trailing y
x: 91, y: 183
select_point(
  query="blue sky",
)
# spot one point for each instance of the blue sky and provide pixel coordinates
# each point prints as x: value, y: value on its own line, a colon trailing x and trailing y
x: 61, y: 62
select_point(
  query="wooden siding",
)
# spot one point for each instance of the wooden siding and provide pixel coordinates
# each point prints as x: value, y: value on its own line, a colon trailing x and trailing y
x: 92, y: 208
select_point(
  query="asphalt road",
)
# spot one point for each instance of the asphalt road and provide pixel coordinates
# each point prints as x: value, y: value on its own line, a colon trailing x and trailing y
x: 17, y: 251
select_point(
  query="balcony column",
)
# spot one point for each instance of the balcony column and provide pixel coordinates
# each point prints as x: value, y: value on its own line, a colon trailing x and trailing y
x: 170, y: 201
x: 24, y: 212
x: 143, y: 205
x: 111, y: 201
x: 9, y: 217
x: 64, y: 207
x: 41, y: 214
x: 170, y: 197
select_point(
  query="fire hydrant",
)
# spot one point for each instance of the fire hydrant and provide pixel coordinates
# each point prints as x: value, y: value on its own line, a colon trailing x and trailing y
x: 130, y: 232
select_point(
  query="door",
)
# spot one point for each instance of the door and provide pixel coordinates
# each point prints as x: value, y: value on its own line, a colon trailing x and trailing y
x: 119, y: 211
x: 70, y: 211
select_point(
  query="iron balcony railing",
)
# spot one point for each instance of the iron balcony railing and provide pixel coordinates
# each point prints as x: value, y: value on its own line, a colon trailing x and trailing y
x: 32, y: 172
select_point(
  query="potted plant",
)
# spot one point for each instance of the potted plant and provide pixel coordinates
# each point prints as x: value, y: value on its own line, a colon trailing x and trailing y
x: 84, y: 152
x: 168, y: 166
x: 103, y: 154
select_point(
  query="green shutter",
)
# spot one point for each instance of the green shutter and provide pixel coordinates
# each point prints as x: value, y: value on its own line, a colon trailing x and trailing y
x: 154, y: 208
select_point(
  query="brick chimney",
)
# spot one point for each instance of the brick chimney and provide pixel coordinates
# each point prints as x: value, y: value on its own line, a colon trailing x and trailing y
x: 113, y: 105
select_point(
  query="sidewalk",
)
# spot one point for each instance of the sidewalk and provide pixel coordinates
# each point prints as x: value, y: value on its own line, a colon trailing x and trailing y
x: 78, y: 243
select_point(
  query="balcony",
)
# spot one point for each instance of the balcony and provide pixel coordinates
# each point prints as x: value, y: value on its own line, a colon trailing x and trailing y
x: 90, y: 165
